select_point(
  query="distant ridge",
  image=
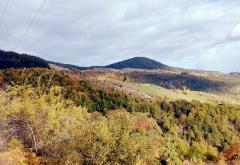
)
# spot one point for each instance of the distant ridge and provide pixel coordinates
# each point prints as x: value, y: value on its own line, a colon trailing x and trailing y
x: 234, y: 74
x: 16, y: 60
x: 139, y: 63
x: 68, y: 66
x: 9, y: 59
x: 134, y: 63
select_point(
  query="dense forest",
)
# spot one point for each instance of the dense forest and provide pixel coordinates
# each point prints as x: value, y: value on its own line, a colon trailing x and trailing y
x: 139, y: 63
x: 15, y: 60
x: 50, y: 117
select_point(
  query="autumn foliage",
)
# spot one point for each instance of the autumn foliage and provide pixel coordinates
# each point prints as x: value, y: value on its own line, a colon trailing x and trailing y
x: 49, y: 117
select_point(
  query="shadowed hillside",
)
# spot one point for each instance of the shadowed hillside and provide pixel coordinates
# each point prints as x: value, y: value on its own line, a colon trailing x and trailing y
x: 139, y: 63
x: 179, y: 81
x: 15, y: 60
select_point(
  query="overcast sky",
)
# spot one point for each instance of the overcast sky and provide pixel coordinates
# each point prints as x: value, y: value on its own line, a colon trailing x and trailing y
x: 200, y: 34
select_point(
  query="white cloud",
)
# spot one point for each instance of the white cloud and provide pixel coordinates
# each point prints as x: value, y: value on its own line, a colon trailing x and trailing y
x: 235, y: 32
x: 186, y: 33
x: 224, y: 57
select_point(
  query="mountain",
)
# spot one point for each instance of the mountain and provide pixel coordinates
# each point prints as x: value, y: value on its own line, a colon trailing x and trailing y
x: 16, y: 60
x: 134, y: 63
x: 139, y: 63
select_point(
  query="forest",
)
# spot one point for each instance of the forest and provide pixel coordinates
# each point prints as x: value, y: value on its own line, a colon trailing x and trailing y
x: 51, y: 117
x: 16, y: 60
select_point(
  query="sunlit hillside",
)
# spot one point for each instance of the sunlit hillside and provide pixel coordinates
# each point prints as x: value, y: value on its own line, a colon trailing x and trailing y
x: 52, y: 117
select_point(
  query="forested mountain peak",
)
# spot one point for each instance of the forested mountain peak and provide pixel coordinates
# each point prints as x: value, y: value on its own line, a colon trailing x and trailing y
x: 139, y: 63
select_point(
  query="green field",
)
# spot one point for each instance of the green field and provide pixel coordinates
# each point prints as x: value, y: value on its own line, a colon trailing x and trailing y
x: 154, y: 90
x: 151, y: 90
x: 157, y: 91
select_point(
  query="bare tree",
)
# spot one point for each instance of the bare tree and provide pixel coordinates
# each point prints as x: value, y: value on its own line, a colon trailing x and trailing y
x: 15, y: 126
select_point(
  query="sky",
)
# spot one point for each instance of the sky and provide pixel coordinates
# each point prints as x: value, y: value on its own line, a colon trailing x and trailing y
x: 197, y: 34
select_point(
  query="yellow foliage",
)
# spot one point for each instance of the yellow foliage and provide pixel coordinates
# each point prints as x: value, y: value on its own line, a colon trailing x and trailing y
x: 67, y: 134
x: 13, y: 157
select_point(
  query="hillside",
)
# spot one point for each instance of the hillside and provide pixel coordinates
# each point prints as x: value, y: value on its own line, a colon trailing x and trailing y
x: 139, y: 63
x: 16, y: 60
x: 179, y: 87
x: 80, y: 121
x: 174, y: 80
x: 139, y: 70
x: 132, y: 82
x: 68, y: 66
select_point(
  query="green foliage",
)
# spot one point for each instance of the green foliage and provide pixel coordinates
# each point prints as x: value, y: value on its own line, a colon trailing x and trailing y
x: 202, y: 151
x: 81, y: 92
x: 15, y: 143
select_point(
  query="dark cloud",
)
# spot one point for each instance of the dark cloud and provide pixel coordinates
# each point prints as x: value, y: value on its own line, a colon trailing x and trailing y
x: 201, y: 34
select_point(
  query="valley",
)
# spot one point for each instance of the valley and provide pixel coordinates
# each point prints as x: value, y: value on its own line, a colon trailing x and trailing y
x: 152, y: 91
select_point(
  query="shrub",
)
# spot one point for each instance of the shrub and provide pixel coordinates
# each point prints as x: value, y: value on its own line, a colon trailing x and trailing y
x: 62, y: 133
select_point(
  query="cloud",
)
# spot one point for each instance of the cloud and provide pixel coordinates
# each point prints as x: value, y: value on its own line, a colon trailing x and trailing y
x: 185, y: 33
x: 213, y: 60
x: 235, y: 32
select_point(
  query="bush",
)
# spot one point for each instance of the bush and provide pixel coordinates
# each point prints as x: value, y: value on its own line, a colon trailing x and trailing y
x: 67, y: 134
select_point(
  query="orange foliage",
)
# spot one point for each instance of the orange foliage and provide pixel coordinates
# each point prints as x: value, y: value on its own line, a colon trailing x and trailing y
x: 233, y: 153
x: 96, y: 114
x: 144, y: 123
x: 116, y: 112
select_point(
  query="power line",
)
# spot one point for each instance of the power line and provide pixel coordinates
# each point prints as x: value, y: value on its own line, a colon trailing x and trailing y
x: 30, y: 24
x: 4, y: 13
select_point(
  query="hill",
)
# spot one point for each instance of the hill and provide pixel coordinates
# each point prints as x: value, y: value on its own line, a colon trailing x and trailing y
x: 134, y: 63
x: 69, y: 118
x: 172, y: 80
x: 139, y: 63
x: 16, y: 60
x: 142, y: 70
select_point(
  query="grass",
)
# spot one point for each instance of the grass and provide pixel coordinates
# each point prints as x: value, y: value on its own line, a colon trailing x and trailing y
x: 154, y: 90
x: 151, y: 91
